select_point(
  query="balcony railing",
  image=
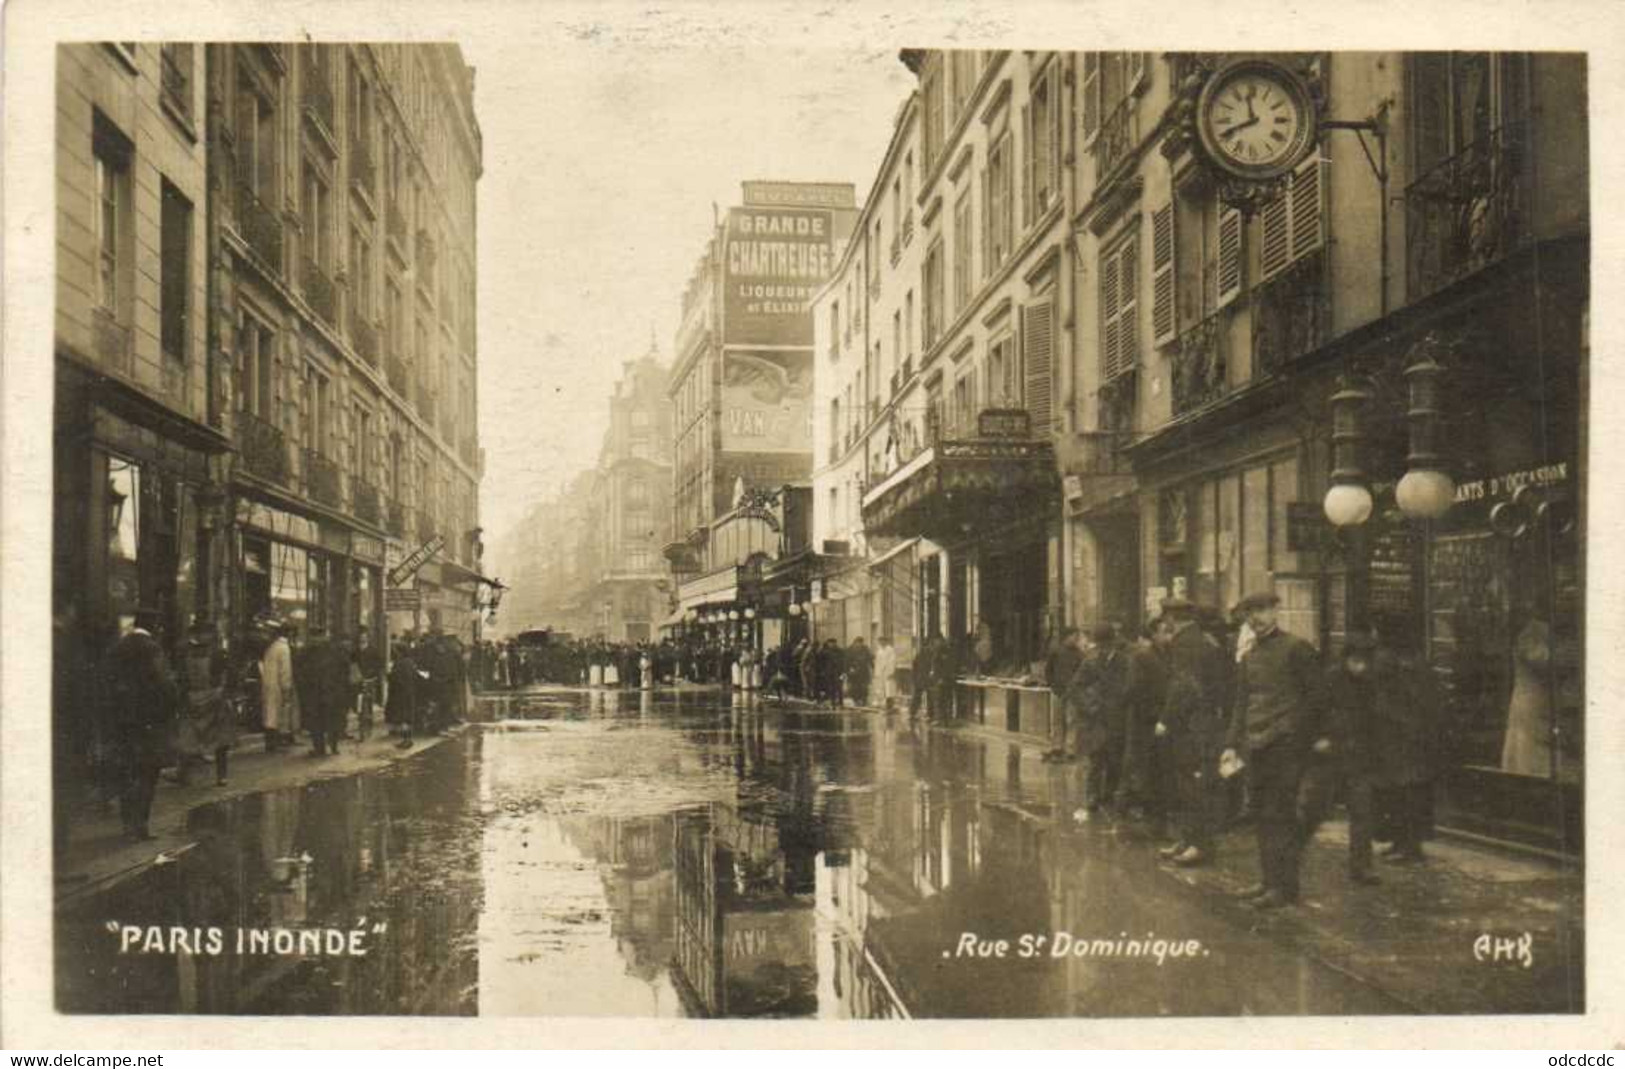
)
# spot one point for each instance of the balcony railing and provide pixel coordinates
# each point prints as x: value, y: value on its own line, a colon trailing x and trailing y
x: 261, y: 227
x: 1117, y: 138
x: 264, y: 449
x: 111, y: 340
x: 1116, y: 398
x: 1291, y: 314
x: 1200, y: 367
x: 318, y: 98
x: 364, y: 337
x: 399, y: 380
x: 319, y: 291
x: 1469, y: 211
x: 396, y: 518
x: 364, y: 501
x: 322, y: 480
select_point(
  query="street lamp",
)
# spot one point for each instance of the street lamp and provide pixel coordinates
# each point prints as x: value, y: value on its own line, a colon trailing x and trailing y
x: 1348, y: 503
x: 1426, y: 492
x: 795, y: 609
x: 750, y: 613
x: 733, y: 615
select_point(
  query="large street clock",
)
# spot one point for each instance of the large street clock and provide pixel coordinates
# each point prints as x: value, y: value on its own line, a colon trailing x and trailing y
x: 1256, y: 119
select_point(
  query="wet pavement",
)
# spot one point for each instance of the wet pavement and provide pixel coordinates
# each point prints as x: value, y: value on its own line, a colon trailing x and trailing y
x: 692, y: 854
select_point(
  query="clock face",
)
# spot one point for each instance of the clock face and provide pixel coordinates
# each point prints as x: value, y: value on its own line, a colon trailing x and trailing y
x: 1256, y: 121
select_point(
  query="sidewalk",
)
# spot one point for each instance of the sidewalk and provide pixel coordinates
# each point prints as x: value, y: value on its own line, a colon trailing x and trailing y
x: 100, y: 854
x: 1416, y: 936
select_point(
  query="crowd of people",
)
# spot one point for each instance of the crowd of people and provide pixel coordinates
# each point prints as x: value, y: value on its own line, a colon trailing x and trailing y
x: 146, y: 710
x: 1207, y: 720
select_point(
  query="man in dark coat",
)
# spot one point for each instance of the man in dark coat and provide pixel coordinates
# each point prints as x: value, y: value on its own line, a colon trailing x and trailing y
x: 924, y: 676
x: 144, y: 701
x: 831, y: 669
x: 324, y: 693
x: 1278, y: 700
x: 1193, y: 720
x: 1343, y: 758
x: 860, y: 670
x: 1407, y: 723
x: 403, y: 706
x: 1060, y: 667
x: 1098, y: 693
x: 1147, y: 784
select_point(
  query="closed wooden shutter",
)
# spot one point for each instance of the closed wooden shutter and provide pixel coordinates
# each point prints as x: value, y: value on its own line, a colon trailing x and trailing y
x: 1164, y: 321
x: 1275, y: 226
x: 1037, y: 343
x: 1128, y: 301
x: 1308, y: 208
x: 1229, y: 267
x: 1111, y: 346
x: 1091, y: 96
x: 1029, y: 156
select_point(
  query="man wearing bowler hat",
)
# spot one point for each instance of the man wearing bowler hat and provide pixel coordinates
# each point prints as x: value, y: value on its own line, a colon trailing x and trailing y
x: 1279, y: 699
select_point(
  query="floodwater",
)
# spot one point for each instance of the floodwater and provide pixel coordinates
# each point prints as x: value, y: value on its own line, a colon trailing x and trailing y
x: 678, y: 854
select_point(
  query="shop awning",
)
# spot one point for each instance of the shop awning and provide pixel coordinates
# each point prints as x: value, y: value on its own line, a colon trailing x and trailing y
x: 717, y: 588
x: 456, y: 574
x: 902, y: 547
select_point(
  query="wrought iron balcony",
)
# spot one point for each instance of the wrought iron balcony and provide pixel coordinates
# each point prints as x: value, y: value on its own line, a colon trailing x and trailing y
x: 1469, y: 211
x: 399, y: 380
x: 363, y: 336
x: 263, y: 448
x: 1292, y: 314
x: 395, y: 518
x: 261, y: 227
x: 1200, y: 364
x: 322, y: 480
x: 319, y: 291
x: 1116, y: 399
x: 1118, y: 135
x: 364, y: 501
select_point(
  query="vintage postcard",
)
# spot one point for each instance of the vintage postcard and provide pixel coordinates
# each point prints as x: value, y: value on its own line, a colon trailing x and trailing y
x: 520, y: 515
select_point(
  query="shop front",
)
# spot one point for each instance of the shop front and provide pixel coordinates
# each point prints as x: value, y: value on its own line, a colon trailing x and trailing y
x: 987, y: 513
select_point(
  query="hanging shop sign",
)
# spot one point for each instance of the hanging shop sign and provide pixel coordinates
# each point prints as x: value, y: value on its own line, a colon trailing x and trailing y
x: 417, y: 559
x: 402, y: 599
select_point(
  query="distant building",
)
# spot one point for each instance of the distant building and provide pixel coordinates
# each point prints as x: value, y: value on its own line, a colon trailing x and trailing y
x: 742, y: 377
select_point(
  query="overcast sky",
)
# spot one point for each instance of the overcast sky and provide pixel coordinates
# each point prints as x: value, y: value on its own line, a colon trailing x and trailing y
x: 602, y: 161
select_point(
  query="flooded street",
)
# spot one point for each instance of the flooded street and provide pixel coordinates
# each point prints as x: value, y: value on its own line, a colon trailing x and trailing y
x: 685, y: 854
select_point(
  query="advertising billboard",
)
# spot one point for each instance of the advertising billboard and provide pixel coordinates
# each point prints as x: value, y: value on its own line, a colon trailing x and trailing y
x: 774, y: 259
x: 767, y: 401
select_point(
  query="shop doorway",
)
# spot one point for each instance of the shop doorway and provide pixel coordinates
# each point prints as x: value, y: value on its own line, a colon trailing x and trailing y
x: 1117, y: 539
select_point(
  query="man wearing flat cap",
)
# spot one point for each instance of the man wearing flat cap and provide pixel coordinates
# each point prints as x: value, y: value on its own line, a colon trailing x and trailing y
x: 1279, y: 698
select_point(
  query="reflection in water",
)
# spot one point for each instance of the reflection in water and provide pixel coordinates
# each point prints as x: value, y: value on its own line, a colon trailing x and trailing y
x: 666, y: 854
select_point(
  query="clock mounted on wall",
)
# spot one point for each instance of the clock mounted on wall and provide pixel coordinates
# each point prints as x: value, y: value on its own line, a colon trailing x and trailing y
x: 1256, y: 119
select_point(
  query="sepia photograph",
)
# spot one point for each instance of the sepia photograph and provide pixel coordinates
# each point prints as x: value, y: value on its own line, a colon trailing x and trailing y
x: 570, y: 519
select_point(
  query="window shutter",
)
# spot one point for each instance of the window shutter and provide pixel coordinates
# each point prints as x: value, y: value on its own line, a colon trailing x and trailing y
x: 1029, y: 153
x: 1110, y: 341
x: 1091, y: 96
x: 1308, y: 208
x: 1276, y: 223
x: 1128, y: 302
x: 1230, y: 262
x: 1037, y: 340
x: 1163, y: 318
